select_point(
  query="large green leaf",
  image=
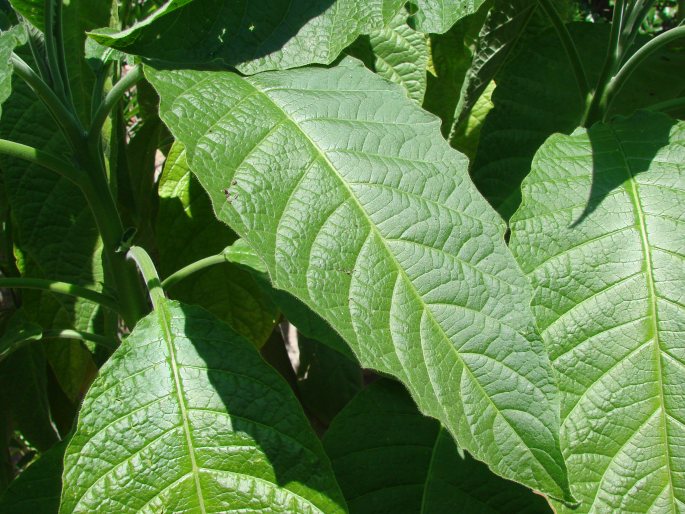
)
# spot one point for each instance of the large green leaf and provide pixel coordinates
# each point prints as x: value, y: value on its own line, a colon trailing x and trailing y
x: 600, y: 234
x: 37, y: 489
x: 252, y: 36
x: 361, y: 209
x: 407, y: 464
x: 536, y: 97
x: 9, y: 40
x: 187, y: 417
x: 188, y: 231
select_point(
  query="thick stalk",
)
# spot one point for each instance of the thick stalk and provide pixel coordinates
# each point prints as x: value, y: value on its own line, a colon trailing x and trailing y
x: 104, y: 209
x: 61, y: 288
x: 149, y: 273
x: 569, y: 47
x: 193, y: 267
x: 619, y: 81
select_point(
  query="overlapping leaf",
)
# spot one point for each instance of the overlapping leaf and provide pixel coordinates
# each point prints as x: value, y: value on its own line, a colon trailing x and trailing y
x: 535, y: 98
x: 360, y: 208
x: 397, y: 53
x: 600, y: 234
x: 504, y: 24
x: 188, y: 231
x: 407, y: 464
x: 187, y: 417
x: 252, y: 36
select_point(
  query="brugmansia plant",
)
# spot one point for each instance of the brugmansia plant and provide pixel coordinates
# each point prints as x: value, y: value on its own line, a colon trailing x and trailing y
x: 422, y: 257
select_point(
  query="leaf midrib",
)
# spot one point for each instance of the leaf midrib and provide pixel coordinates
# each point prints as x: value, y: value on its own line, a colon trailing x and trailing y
x: 165, y: 323
x: 374, y: 230
x: 633, y: 192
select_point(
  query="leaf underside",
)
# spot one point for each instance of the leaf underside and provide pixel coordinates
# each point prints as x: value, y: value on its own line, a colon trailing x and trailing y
x: 339, y: 181
x: 600, y: 234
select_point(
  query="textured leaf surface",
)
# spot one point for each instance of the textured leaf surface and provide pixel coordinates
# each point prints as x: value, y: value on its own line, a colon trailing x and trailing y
x: 361, y: 209
x: 397, y: 53
x: 253, y: 36
x: 37, y: 489
x: 188, y: 231
x: 601, y: 233
x: 534, y: 98
x: 407, y: 464
x: 438, y: 16
x: 186, y: 417
x: 9, y: 40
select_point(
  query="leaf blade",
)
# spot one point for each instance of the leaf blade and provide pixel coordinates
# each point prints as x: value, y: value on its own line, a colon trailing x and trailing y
x: 611, y: 337
x: 193, y: 429
x: 311, y: 131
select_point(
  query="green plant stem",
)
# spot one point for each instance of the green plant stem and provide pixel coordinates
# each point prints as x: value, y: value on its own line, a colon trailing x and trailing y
x: 107, y: 342
x: 193, y: 267
x: 106, y: 214
x: 54, y: 48
x: 149, y: 273
x: 64, y: 118
x: 116, y: 93
x: 596, y: 108
x: 569, y: 47
x: 42, y: 158
x: 61, y: 288
x: 619, y: 80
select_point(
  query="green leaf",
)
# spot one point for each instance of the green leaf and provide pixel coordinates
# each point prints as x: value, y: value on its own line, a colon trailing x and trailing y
x: 451, y: 57
x: 533, y: 100
x: 187, y: 417
x: 438, y: 16
x: 600, y: 234
x: 9, y: 40
x: 188, y: 231
x: 406, y: 463
x: 361, y: 209
x: 17, y: 332
x: 249, y: 36
x: 24, y: 396
x: 55, y: 237
x: 397, y: 53
x: 503, y: 27
x: 37, y: 489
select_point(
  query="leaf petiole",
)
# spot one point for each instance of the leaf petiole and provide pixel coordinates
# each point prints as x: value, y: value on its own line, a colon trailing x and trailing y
x: 193, y: 267
x: 149, y: 272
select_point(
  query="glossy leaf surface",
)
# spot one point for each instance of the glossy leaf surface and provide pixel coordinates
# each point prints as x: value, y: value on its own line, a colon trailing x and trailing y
x: 339, y: 181
x: 186, y: 416
x: 600, y: 234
